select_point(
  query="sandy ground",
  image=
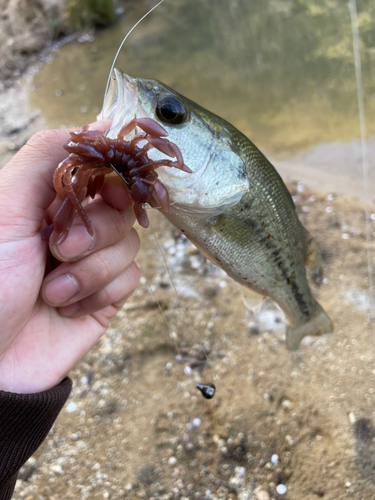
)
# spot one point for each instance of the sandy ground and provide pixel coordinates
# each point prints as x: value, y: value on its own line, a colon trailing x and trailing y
x: 135, y: 425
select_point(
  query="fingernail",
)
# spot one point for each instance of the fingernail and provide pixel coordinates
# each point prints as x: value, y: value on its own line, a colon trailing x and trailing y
x: 100, y: 125
x: 76, y: 245
x: 61, y: 289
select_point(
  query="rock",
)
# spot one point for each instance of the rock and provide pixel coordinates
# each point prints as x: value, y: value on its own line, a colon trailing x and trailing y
x: 58, y: 469
x: 262, y: 495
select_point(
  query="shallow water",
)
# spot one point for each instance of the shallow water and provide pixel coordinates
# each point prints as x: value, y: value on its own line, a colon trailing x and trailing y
x: 283, y: 73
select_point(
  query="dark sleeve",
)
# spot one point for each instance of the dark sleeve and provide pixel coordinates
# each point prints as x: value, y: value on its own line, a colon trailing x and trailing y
x: 25, y: 420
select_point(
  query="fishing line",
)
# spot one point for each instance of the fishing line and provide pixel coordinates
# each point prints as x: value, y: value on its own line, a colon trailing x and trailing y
x: 136, y: 260
x: 156, y: 240
x: 112, y: 67
x: 365, y: 163
x: 115, y: 170
x: 165, y: 262
x: 175, y: 290
x: 120, y: 47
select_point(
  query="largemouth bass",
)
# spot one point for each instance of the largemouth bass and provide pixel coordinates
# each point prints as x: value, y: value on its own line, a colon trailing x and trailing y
x: 234, y: 207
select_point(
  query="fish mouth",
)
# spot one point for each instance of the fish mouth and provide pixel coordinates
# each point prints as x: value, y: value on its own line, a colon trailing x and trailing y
x: 121, y: 103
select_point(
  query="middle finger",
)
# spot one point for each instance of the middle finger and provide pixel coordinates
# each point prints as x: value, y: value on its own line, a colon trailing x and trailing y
x: 71, y: 282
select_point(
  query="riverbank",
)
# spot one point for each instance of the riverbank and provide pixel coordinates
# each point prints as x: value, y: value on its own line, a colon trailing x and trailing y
x: 30, y: 33
x: 29, y: 29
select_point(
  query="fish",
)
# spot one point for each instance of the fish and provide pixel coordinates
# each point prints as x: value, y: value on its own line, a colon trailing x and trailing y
x: 233, y: 206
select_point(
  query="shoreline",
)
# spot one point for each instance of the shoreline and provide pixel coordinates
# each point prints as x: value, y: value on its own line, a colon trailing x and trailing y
x: 26, y: 44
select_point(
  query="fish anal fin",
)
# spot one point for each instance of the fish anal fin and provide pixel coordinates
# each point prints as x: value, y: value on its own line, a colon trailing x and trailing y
x: 251, y: 299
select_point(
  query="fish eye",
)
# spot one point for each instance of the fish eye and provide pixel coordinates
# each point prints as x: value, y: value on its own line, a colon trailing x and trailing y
x: 170, y: 110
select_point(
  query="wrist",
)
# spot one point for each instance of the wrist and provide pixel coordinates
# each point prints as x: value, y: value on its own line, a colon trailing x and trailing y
x: 24, y: 388
x: 18, y: 381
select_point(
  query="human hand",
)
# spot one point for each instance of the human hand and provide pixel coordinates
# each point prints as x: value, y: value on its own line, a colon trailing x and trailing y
x: 50, y: 318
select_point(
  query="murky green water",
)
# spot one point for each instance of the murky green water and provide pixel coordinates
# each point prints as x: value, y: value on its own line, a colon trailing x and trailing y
x: 280, y: 70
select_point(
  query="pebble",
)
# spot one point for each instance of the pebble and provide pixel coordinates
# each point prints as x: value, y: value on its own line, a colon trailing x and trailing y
x: 352, y: 417
x: 172, y: 461
x: 71, y: 407
x: 262, y: 495
x: 254, y: 328
x: 281, y: 489
x: 240, y: 471
x: 58, y: 469
x: 286, y: 404
x: 197, y: 422
x: 274, y: 459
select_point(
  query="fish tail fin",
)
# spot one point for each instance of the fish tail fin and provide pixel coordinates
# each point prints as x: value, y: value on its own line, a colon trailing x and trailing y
x: 318, y: 324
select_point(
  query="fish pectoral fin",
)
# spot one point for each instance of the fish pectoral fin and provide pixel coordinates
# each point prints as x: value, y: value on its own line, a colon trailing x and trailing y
x: 313, y: 260
x: 318, y: 324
